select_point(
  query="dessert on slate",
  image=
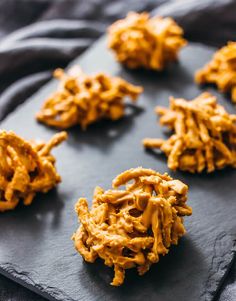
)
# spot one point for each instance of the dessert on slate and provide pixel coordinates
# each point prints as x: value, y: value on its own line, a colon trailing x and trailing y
x: 204, y: 135
x: 83, y: 99
x: 221, y: 70
x: 26, y: 168
x: 133, y: 226
x: 142, y: 41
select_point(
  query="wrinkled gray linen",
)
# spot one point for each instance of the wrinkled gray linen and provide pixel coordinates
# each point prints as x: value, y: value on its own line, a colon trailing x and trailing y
x: 36, y: 36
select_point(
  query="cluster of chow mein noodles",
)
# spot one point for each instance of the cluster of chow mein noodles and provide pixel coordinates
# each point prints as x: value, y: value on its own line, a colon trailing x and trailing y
x: 25, y: 169
x: 221, y: 70
x: 204, y: 134
x: 132, y: 227
x: 142, y: 41
x: 83, y: 99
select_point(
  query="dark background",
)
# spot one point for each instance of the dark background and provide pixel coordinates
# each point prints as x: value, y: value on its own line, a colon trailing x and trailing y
x: 36, y: 36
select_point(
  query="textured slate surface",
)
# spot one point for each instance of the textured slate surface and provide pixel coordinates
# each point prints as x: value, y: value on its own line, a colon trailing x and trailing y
x: 35, y: 241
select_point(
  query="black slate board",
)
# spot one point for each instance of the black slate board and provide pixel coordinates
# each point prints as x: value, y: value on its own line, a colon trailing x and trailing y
x: 35, y: 246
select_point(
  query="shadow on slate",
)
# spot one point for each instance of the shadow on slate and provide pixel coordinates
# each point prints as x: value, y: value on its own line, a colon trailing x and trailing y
x: 36, y: 249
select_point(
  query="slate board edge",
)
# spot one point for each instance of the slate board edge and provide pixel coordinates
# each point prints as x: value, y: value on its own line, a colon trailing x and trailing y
x: 25, y: 282
x: 221, y: 283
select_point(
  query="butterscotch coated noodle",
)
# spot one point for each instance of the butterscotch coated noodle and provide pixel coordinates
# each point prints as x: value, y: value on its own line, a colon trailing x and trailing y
x: 221, y: 70
x: 204, y: 135
x: 25, y: 169
x: 83, y: 99
x: 142, y: 41
x: 132, y: 227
